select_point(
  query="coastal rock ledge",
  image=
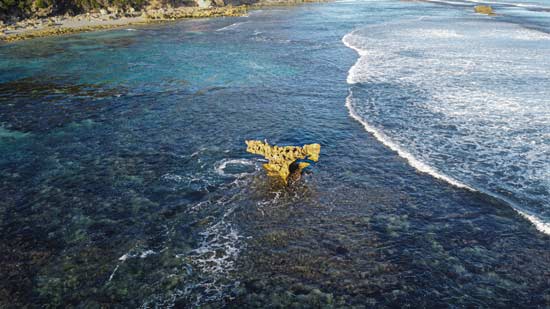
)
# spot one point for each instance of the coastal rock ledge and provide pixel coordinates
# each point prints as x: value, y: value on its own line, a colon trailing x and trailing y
x: 484, y: 9
x: 26, y: 19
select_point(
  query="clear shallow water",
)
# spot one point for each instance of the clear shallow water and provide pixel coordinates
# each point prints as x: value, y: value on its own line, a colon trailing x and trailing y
x: 126, y: 178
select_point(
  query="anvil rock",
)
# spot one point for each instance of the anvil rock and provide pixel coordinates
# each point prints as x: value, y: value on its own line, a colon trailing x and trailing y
x: 281, y: 159
x: 484, y: 9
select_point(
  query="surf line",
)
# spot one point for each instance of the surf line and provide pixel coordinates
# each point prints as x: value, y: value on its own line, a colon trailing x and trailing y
x: 232, y: 26
x: 540, y: 225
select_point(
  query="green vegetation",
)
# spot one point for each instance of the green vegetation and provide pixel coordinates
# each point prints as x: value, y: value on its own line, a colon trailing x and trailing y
x: 29, y: 8
x: 150, y: 17
x: 41, y: 4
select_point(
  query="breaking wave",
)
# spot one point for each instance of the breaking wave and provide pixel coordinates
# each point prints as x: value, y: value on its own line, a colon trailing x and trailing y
x: 417, y: 58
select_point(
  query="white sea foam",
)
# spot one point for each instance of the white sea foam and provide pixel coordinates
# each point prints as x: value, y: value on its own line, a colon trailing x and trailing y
x: 449, y: 2
x: 417, y: 164
x: 219, y: 248
x: 208, y: 269
x: 537, y: 222
x: 174, y: 177
x: 391, y: 55
x: 215, y: 256
x: 222, y: 165
x: 129, y: 255
x: 379, y: 135
x: 113, y: 273
x: 232, y: 26
x: 522, y: 5
x: 136, y: 254
x: 213, y: 260
x: 536, y: 6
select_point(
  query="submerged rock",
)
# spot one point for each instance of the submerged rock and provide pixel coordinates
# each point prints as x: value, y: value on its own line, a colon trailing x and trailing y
x: 284, y: 161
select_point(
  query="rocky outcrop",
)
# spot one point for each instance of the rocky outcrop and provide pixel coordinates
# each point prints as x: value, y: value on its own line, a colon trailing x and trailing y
x: 484, y: 9
x: 193, y: 12
x: 284, y: 162
x: 16, y: 10
x: 57, y: 17
x: 106, y: 19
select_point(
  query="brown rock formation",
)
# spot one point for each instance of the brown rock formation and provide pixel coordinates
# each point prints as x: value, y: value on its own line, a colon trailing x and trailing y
x: 283, y: 161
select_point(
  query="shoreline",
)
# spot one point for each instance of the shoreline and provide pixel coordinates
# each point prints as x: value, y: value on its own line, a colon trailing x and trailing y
x: 62, y: 25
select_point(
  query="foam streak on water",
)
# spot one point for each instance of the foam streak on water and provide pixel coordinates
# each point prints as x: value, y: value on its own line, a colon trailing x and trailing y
x: 420, y: 166
x: 232, y: 26
x: 511, y: 4
x: 465, y: 105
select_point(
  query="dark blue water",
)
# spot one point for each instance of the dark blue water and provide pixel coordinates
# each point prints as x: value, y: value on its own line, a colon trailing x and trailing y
x: 126, y: 182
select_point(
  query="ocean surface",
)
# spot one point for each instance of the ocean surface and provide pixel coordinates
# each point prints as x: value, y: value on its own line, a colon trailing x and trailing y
x: 463, y: 100
x: 125, y: 181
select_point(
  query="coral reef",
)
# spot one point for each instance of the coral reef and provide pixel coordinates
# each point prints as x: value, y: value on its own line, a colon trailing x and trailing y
x: 284, y: 161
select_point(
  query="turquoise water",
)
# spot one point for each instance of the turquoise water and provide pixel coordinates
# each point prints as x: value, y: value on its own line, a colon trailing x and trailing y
x: 126, y: 182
